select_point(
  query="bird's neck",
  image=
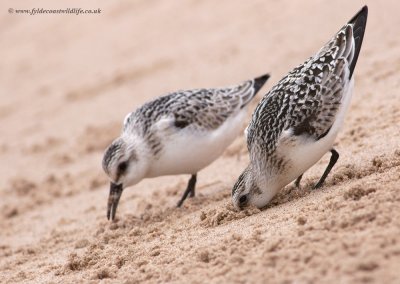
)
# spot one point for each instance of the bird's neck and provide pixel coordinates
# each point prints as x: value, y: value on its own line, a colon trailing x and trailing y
x: 141, y: 156
x: 267, y: 181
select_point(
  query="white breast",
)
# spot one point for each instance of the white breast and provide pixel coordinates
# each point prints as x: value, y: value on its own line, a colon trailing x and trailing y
x: 187, y: 152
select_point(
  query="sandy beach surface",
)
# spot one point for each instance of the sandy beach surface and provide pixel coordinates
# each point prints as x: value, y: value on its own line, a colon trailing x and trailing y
x: 67, y: 82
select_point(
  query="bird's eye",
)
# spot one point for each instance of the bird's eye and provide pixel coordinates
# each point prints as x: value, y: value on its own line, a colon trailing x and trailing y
x: 122, y: 167
x: 243, y: 199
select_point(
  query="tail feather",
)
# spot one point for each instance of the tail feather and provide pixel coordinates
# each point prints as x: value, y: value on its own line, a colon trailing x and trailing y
x: 256, y: 85
x: 358, y: 22
x: 259, y: 82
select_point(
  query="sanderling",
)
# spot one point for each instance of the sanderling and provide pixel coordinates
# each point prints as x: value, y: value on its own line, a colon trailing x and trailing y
x: 179, y: 133
x: 296, y: 122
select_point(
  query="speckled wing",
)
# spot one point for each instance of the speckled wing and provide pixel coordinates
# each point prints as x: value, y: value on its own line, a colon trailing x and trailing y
x: 307, y: 100
x: 201, y: 109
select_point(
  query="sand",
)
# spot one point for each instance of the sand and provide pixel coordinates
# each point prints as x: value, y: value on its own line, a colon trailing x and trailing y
x: 66, y: 83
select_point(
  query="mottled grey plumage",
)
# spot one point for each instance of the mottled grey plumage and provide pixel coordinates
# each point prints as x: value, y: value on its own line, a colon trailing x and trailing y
x: 205, y: 109
x: 306, y: 99
x: 305, y: 103
x: 179, y: 133
x: 197, y: 110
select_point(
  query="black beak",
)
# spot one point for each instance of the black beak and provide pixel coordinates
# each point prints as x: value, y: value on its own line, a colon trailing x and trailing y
x: 113, y: 199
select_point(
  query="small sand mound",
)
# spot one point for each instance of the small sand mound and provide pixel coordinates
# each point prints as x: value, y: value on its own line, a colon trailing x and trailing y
x: 355, y: 193
x: 216, y: 217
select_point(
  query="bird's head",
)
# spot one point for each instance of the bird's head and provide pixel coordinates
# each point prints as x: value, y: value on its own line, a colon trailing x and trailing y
x: 247, y: 191
x: 124, y: 166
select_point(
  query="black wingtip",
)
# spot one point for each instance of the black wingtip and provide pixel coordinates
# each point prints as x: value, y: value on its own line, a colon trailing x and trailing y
x: 363, y: 13
x: 259, y: 82
x: 359, y: 22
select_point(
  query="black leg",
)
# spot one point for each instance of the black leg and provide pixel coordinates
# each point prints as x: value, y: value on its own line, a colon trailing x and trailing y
x: 297, y: 182
x: 189, y: 189
x: 192, y: 192
x: 332, y: 162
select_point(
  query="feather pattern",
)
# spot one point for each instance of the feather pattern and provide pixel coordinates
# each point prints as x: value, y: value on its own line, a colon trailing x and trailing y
x: 205, y: 109
x: 199, y: 110
x: 306, y: 101
x: 297, y: 122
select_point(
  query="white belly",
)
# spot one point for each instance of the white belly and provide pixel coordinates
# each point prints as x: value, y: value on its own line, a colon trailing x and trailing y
x: 187, y: 152
x: 304, y: 153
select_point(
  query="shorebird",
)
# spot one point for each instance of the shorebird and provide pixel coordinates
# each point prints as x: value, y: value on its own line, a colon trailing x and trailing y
x: 178, y: 133
x: 296, y: 122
